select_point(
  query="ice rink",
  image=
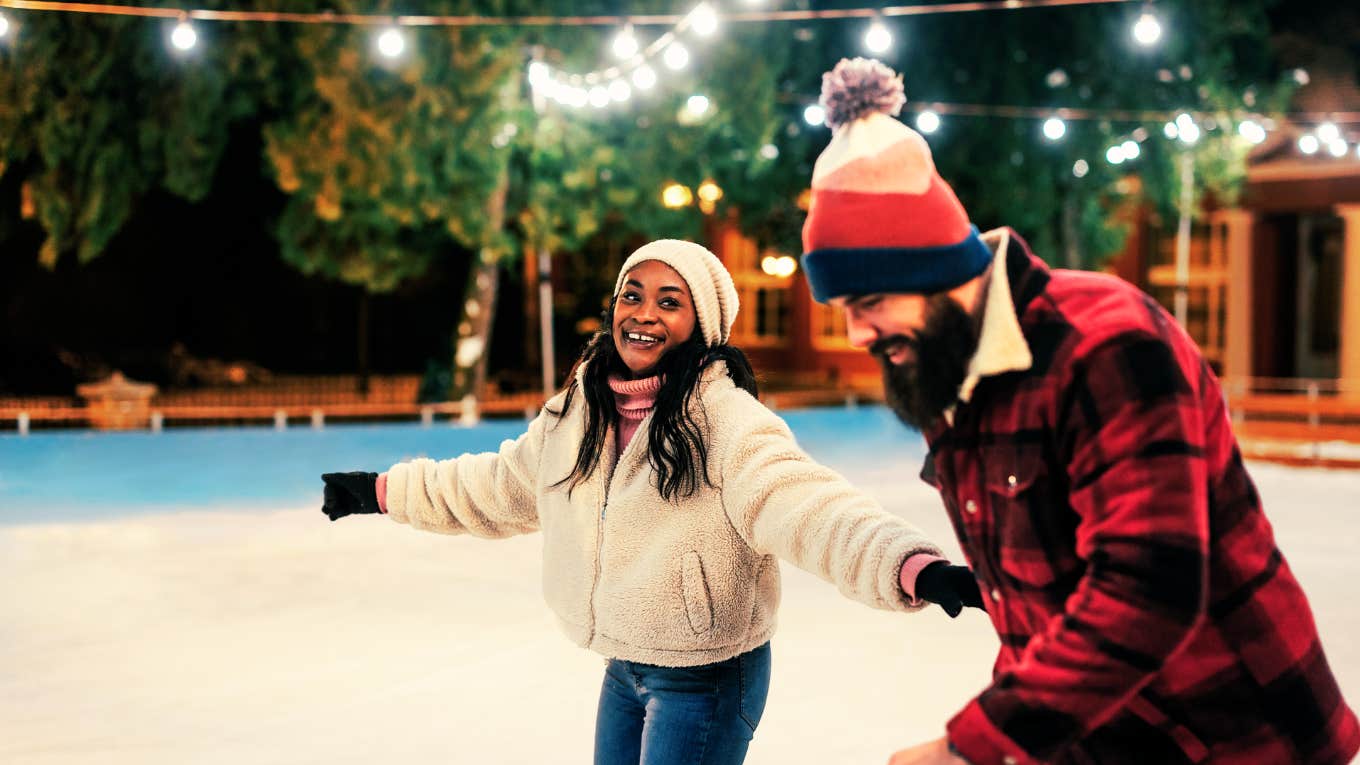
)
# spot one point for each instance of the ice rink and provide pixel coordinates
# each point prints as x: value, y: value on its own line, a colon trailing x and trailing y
x: 179, y: 598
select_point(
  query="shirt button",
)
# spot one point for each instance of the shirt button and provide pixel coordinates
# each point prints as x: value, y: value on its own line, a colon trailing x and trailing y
x: 996, y: 595
x: 970, y: 506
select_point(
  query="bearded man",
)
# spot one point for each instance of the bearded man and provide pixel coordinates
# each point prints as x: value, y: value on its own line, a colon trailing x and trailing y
x: 1084, y: 454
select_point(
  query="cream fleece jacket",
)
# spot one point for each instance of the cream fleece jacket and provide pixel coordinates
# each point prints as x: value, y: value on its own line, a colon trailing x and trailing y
x: 634, y: 577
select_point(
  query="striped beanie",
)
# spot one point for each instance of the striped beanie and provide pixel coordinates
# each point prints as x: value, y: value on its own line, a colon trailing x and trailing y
x: 881, y: 218
x: 710, y: 285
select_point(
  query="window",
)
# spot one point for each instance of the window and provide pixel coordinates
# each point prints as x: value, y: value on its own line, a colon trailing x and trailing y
x: 763, y: 320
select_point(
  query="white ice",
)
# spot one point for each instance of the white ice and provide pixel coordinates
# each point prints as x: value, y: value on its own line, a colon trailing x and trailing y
x: 278, y: 637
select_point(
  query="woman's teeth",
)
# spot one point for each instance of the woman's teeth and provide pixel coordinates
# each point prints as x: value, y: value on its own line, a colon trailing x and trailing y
x: 646, y: 339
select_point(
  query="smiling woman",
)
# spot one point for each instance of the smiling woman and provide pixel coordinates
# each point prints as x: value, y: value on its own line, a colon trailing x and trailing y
x: 652, y: 316
x: 666, y: 493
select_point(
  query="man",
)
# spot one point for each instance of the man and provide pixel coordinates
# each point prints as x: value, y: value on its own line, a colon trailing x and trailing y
x: 1084, y: 455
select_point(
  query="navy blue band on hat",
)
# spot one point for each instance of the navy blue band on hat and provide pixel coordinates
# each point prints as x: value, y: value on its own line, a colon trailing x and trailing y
x: 836, y: 273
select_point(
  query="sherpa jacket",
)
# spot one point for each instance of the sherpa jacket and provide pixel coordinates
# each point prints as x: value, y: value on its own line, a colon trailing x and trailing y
x: 684, y: 583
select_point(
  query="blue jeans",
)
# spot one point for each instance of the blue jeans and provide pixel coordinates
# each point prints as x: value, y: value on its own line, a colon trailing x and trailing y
x: 703, y: 715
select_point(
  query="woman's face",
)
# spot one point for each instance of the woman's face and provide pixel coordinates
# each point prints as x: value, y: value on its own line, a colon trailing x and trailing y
x: 653, y: 315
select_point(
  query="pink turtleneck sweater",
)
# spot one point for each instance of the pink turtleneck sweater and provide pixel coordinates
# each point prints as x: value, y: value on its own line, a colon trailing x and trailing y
x: 634, y: 400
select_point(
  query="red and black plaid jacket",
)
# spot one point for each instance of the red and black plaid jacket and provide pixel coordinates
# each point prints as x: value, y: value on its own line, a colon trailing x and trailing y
x: 1145, y: 612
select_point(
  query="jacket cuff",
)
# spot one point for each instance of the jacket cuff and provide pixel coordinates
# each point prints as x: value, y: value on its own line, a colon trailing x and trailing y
x: 912, y: 567
x: 381, y: 489
x: 981, y: 743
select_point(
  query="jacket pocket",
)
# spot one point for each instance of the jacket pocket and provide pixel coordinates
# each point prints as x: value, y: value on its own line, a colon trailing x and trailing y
x: 1034, y: 535
x: 694, y: 589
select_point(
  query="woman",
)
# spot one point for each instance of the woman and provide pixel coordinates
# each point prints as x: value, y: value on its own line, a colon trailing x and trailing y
x: 665, y: 492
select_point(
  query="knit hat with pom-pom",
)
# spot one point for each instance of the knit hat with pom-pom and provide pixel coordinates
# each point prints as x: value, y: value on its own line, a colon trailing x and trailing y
x: 881, y: 219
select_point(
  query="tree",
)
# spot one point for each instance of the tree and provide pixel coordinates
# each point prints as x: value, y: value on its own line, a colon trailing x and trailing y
x: 94, y: 113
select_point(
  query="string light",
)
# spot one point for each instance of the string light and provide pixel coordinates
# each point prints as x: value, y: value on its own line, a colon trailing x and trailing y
x: 1115, y: 155
x: 1131, y: 150
x: 676, y: 196
x: 814, y: 115
x: 183, y: 36
x: 676, y: 56
x: 697, y: 105
x: 703, y: 20
x: 1328, y: 132
x: 928, y: 122
x: 599, y: 96
x: 619, y: 90
x: 878, y: 39
x: 1309, y: 144
x: 1147, y: 30
x: 1252, y: 131
x: 625, y: 43
x: 1081, y: 168
x: 1337, y: 148
x: 1054, y: 129
x: 4, y: 26
x: 644, y: 77
x: 391, y: 43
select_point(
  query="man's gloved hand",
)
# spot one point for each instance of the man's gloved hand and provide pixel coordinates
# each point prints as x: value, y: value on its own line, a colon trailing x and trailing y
x: 351, y: 493
x: 952, y: 587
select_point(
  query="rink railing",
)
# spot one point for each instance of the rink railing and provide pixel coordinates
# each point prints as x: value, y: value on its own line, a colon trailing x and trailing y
x: 1296, y: 420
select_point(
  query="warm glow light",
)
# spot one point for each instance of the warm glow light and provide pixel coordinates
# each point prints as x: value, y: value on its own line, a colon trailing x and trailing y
x: 644, y: 78
x: 539, y: 74
x: 1054, y: 129
x: 1115, y: 156
x: 927, y: 122
x: 676, y: 196
x: 1147, y: 30
x: 1337, y: 148
x: 619, y: 90
x: 1131, y: 149
x: 781, y: 266
x: 703, y: 20
x: 1328, y: 132
x: 676, y: 56
x: 1252, y: 131
x: 625, y: 44
x: 4, y: 25
x: 709, y: 194
x: 697, y: 105
x: 183, y: 37
x: 878, y: 39
x: 1081, y: 168
x: 1309, y: 144
x: 599, y: 96
x: 391, y: 43
x: 814, y: 115
x: 1171, y: 130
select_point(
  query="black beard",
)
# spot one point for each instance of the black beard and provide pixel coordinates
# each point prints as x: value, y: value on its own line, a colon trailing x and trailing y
x: 919, y: 391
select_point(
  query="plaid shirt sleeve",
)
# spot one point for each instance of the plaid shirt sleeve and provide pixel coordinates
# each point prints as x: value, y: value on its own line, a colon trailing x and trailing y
x: 1133, y: 433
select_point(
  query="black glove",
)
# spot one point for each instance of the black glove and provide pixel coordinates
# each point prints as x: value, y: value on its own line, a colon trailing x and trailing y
x: 351, y: 493
x: 952, y: 587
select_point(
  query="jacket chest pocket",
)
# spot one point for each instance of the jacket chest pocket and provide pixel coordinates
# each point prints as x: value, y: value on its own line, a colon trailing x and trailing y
x: 1033, y: 533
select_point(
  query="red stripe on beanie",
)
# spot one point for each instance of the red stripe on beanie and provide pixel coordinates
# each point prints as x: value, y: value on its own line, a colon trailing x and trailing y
x: 853, y: 219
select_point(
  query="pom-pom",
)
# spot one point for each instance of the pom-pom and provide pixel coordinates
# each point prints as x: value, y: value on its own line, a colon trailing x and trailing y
x: 858, y: 87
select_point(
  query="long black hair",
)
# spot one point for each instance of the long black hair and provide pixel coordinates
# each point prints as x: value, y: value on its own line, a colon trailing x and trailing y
x: 675, y: 443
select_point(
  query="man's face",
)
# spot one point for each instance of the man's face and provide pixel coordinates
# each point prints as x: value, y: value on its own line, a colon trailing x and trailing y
x: 924, y: 344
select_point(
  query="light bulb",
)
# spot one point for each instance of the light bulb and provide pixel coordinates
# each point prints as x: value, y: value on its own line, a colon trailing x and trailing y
x: 1147, y: 30
x: 927, y: 122
x: 878, y: 39
x: 391, y: 43
x: 1054, y: 129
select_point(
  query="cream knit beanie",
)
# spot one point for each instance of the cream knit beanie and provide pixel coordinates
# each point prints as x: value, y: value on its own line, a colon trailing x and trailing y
x: 715, y: 296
